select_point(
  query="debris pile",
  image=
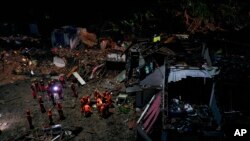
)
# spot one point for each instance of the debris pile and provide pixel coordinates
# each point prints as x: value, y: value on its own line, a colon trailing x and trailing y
x: 190, y: 118
x: 64, y: 76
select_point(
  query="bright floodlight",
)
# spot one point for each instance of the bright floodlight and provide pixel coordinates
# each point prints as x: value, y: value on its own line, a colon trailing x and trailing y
x: 55, y: 88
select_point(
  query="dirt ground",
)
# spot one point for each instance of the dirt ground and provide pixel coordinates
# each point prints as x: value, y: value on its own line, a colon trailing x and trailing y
x: 16, y: 98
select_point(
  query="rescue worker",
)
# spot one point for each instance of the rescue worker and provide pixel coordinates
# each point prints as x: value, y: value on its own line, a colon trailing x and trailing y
x: 108, y: 98
x: 52, y: 82
x: 96, y: 94
x: 83, y: 101
x: 33, y: 89
x: 48, y: 91
x: 60, y: 111
x: 60, y: 93
x: 29, y: 118
x: 37, y: 86
x: 62, y: 81
x: 50, y: 117
x: 52, y: 99
x: 104, y: 110
x: 49, y: 84
x: 107, y: 102
x: 42, y: 108
x: 88, y: 99
x: 50, y: 94
x: 42, y: 85
x: 73, y: 88
x: 98, y: 104
x: 104, y: 96
x: 86, y: 110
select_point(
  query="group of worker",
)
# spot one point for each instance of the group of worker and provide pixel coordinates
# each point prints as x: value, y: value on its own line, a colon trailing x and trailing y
x: 50, y: 115
x: 39, y: 86
x: 103, y: 102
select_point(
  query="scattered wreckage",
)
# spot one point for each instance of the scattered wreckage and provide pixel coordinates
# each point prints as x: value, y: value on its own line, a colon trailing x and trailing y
x: 147, y: 67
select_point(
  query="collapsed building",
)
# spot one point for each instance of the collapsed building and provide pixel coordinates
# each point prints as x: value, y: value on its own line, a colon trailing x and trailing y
x: 159, y: 65
x: 184, y: 101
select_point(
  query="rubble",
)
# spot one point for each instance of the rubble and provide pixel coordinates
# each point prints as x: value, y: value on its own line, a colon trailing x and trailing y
x: 19, y: 39
x: 117, y: 69
x: 90, y: 65
x: 86, y: 37
x: 59, y: 62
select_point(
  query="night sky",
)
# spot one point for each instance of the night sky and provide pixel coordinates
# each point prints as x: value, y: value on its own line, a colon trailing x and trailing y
x: 71, y: 11
x: 50, y: 15
x: 80, y: 13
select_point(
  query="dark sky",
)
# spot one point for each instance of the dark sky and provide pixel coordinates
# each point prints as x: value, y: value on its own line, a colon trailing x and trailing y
x: 49, y: 15
x: 66, y: 11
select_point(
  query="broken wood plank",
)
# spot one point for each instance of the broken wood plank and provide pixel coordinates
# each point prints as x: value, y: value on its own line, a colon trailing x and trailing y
x: 71, y: 71
x: 79, y: 78
x: 57, y: 137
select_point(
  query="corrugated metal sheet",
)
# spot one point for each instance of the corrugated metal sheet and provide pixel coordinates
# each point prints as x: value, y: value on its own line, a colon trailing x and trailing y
x: 152, y: 114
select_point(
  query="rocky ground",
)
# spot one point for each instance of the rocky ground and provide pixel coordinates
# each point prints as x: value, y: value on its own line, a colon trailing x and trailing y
x: 16, y: 98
